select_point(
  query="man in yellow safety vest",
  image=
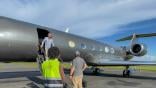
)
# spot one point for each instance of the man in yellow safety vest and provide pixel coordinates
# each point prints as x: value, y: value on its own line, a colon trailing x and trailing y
x: 52, y: 70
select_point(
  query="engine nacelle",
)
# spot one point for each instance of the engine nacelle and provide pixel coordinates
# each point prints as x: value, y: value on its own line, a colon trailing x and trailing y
x: 138, y: 49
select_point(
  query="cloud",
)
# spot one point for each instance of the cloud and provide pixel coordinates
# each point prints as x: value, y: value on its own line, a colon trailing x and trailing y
x: 88, y: 18
x: 93, y: 19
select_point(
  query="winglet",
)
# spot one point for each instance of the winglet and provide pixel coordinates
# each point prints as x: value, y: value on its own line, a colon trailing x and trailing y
x: 136, y: 36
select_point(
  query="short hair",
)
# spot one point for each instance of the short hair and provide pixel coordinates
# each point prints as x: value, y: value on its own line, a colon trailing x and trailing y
x: 50, y: 33
x: 53, y: 52
x: 77, y: 53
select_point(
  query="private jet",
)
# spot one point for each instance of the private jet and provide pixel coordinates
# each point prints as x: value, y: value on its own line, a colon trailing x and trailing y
x: 19, y: 42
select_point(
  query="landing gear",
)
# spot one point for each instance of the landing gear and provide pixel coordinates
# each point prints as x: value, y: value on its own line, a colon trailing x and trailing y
x: 95, y: 70
x: 126, y: 72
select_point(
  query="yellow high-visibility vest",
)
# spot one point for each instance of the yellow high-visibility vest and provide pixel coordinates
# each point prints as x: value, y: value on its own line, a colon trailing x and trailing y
x: 51, y: 69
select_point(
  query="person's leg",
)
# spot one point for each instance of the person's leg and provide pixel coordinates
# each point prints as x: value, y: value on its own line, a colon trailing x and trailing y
x: 75, y: 84
x: 79, y: 79
x: 46, y: 53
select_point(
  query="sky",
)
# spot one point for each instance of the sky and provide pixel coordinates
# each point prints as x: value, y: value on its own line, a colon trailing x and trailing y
x: 102, y: 20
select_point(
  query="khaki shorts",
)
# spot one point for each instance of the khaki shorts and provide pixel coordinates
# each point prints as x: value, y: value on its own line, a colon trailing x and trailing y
x: 77, y: 81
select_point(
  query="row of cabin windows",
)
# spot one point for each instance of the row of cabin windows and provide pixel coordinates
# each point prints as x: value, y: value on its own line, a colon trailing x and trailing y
x: 106, y: 49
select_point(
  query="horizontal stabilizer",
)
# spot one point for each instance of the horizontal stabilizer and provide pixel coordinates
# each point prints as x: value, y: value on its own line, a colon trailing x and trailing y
x: 137, y: 36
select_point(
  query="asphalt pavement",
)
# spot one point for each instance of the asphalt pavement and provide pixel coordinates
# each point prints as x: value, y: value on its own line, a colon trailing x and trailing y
x: 19, y: 77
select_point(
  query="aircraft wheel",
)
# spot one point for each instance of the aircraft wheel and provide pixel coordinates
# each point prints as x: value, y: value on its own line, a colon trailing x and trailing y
x: 96, y: 70
x: 126, y: 73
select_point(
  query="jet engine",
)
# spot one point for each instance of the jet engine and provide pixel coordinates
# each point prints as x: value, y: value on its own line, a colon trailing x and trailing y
x: 138, y: 49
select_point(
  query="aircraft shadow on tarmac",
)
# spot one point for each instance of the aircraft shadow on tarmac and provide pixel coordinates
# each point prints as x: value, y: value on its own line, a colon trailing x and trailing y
x: 35, y: 80
x: 18, y: 74
x: 30, y: 75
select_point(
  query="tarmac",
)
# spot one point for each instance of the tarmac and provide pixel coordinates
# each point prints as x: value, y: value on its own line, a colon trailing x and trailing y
x: 13, y: 76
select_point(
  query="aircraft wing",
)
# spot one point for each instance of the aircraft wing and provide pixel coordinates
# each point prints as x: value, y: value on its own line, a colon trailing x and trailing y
x: 137, y: 36
x: 126, y: 63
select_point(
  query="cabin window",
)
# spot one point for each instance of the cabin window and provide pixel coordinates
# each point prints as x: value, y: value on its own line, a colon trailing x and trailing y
x: 106, y: 49
x: 112, y: 50
x: 71, y: 44
x: 83, y: 46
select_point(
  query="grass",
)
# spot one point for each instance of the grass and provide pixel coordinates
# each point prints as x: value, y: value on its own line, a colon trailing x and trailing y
x: 141, y: 68
x: 146, y: 68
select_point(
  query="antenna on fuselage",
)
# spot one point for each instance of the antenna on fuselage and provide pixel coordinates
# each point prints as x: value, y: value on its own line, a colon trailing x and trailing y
x: 67, y: 30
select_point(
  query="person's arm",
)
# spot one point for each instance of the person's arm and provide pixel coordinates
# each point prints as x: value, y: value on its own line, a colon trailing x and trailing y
x: 84, y: 66
x: 42, y: 69
x: 43, y: 42
x: 71, y: 72
x: 72, y: 69
x: 53, y: 43
x: 62, y: 72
